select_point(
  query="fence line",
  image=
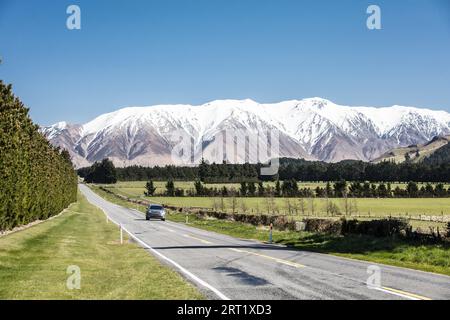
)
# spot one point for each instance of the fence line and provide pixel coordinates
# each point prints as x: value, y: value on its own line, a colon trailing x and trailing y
x: 419, y: 217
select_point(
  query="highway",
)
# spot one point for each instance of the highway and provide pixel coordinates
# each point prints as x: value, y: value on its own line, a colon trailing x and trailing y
x: 224, y: 267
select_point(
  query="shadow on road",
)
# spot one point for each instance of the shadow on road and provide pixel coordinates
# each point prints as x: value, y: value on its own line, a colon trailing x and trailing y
x: 242, y: 276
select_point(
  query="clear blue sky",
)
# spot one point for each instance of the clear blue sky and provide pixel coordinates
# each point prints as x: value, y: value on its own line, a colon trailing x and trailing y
x: 193, y: 51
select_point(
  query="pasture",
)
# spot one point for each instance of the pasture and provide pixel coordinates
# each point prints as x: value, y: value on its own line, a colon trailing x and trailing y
x: 428, y: 257
x: 137, y: 188
x: 376, y: 207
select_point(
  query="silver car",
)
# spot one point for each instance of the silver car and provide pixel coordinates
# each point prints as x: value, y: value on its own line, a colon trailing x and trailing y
x: 155, y: 211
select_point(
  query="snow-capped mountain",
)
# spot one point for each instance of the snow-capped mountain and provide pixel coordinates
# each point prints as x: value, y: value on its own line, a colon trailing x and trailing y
x: 311, y: 128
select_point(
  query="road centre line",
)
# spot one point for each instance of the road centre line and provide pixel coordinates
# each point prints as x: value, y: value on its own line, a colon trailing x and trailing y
x: 201, y: 240
x: 286, y: 262
x: 402, y: 293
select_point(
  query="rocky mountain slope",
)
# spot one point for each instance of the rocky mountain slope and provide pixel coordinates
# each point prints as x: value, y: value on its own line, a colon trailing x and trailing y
x: 311, y: 128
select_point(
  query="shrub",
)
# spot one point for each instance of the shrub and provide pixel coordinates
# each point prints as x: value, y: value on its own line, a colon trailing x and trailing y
x: 377, y: 228
x: 323, y: 226
x: 284, y: 223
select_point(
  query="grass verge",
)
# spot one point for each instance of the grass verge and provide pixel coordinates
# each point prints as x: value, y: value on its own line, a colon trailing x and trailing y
x: 431, y: 258
x: 33, y: 262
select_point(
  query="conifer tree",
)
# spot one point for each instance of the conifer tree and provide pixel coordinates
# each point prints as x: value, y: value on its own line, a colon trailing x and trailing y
x: 150, y: 189
x: 37, y: 180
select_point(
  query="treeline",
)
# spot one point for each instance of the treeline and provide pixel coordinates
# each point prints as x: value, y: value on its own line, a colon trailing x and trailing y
x: 298, y: 169
x: 101, y: 172
x: 36, y: 179
x: 352, y: 170
x: 290, y: 188
x: 206, y: 172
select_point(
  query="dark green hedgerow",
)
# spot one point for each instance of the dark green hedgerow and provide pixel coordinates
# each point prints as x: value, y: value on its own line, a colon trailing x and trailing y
x: 36, y: 179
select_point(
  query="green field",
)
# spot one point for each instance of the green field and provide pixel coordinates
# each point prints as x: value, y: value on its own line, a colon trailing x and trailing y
x: 33, y: 262
x: 361, y: 206
x: 433, y: 258
x: 137, y: 188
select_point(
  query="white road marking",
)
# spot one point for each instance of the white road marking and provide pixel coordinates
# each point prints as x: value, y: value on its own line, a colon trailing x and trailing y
x: 182, y: 269
x: 396, y: 292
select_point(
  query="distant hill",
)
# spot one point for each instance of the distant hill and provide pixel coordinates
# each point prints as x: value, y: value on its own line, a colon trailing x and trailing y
x: 433, y: 152
x: 441, y: 155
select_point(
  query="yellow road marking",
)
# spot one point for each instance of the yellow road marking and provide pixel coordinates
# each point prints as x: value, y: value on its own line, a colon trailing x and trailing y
x: 286, y: 262
x: 170, y: 230
x: 298, y: 265
x: 408, y: 294
x: 201, y: 240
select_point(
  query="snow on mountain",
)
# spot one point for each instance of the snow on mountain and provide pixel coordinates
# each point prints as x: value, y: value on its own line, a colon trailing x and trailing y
x: 312, y: 128
x: 53, y: 130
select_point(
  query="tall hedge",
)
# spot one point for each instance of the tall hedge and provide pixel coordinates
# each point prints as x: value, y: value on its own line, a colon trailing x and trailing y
x: 37, y: 180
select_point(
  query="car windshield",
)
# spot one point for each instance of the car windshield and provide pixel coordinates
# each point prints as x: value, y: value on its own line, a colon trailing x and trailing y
x: 155, y: 207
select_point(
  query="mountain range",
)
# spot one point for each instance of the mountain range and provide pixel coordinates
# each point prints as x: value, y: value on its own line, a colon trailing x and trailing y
x: 313, y: 129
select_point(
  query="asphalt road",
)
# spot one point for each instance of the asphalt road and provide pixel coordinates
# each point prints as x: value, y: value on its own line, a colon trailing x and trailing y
x: 224, y: 267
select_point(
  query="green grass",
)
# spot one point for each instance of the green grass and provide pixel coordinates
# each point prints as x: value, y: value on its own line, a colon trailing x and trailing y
x: 432, y: 258
x: 137, y: 188
x: 365, y: 206
x: 33, y: 262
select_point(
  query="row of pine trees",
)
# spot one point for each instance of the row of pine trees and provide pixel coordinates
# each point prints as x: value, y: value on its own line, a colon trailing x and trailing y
x: 290, y: 188
x: 37, y: 180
